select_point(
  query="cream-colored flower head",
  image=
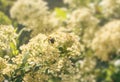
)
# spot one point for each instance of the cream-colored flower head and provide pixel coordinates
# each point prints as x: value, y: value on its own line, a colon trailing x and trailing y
x: 83, y: 23
x: 27, y: 10
x: 87, y: 66
x: 6, y: 68
x: 3, y: 65
x: 110, y: 8
x: 82, y: 18
x: 53, y: 52
x: 10, y: 68
x: 52, y: 46
x: 34, y: 15
x: 7, y: 37
x: 107, y: 40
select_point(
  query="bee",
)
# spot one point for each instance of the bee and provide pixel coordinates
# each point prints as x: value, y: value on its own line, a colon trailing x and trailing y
x: 51, y: 40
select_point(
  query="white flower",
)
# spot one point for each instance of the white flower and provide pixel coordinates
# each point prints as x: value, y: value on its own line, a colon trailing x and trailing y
x: 110, y: 8
x: 8, y: 36
x: 117, y: 63
x: 107, y: 40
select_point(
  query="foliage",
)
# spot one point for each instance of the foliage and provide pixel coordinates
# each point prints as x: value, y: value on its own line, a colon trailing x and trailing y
x: 4, y: 19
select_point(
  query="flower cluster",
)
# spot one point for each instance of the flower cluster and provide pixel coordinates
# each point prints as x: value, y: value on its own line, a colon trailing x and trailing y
x: 107, y: 40
x: 6, y: 68
x: 110, y: 8
x: 8, y: 38
x: 2, y: 66
x: 83, y: 23
x: 28, y: 10
x: 54, y: 53
x: 34, y: 14
x: 86, y: 68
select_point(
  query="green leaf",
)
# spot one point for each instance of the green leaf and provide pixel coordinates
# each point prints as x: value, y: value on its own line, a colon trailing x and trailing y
x: 13, y: 49
x: 55, y: 79
x: 61, y: 13
x: 4, y: 19
x: 25, y: 58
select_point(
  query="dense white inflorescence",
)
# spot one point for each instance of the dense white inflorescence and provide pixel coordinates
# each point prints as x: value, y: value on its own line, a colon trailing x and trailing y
x: 2, y: 66
x: 52, y: 53
x: 83, y: 23
x: 34, y: 14
x: 27, y: 10
x: 110, y: 8
x: 107, y: 40
x: 8, y: 37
